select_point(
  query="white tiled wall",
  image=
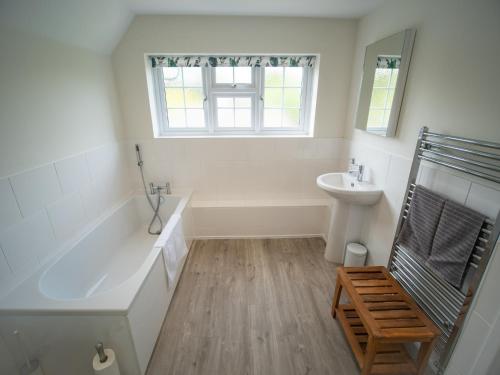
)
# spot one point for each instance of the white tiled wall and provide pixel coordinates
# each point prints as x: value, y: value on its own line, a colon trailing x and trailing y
x: 10, y: 213
x: 36, y: 188
x: 390, y: 172
x: 44, y: 207
x: 239, y: 169
x: 478, y: 344
x: 73, y: 173
x: 246, y: 187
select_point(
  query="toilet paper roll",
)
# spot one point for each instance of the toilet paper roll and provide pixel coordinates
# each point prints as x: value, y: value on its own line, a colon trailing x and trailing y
x: 110, y: 367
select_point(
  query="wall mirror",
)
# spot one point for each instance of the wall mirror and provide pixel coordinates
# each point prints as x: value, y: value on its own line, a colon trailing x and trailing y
x: 384, y: 76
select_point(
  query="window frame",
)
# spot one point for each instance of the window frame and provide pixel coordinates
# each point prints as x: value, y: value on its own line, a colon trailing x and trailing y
x: 305, y: 104
x: 211, y: 71
x: 211, y: 90
x: 216, y: 130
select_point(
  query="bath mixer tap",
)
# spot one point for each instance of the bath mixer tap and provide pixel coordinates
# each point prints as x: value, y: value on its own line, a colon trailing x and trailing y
x: 356, y: 170
x: 158, y: 188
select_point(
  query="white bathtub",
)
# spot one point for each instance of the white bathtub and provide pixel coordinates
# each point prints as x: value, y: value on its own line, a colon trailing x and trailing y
x: 110, y: 286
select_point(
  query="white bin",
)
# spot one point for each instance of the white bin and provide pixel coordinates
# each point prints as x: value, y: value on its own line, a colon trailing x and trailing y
x: 355, y: 255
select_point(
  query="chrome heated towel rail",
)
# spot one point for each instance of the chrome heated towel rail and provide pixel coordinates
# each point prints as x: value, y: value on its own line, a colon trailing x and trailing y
x: 446, y: 305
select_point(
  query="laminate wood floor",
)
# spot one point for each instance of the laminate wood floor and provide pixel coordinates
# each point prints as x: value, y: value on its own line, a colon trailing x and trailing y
x: 253, y: 307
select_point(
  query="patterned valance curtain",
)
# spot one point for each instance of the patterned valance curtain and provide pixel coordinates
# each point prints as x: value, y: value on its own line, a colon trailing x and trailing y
x: 388, y: 62
x: 213, y: 61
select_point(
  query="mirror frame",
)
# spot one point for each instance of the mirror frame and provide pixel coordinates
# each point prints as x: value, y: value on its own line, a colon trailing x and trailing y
x: 409, y: 39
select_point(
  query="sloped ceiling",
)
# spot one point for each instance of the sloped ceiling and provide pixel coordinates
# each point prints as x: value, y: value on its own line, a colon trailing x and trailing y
x: 99, y: 24
x: 94, y: 24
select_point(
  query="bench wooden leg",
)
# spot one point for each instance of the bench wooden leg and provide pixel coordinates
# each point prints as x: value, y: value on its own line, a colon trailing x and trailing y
x: 423, y: 356
x: 369, y: 356
x: 336, y: 297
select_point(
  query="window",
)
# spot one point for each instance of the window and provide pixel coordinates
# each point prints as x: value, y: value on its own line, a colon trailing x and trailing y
x: 184, y: 98
x: 283, y: 99
x: 225, y: 95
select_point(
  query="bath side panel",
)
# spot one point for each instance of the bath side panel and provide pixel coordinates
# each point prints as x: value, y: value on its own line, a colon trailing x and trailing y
x: 148, y: 311
x: 64, y: 344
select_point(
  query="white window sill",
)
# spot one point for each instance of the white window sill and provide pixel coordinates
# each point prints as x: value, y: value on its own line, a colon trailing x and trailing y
x: 187, y: 136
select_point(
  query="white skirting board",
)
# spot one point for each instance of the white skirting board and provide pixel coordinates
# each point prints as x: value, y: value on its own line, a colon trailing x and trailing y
x: 261, y: 220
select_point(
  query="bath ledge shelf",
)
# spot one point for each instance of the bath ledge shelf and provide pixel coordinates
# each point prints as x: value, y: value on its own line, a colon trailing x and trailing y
x: 261, y: 203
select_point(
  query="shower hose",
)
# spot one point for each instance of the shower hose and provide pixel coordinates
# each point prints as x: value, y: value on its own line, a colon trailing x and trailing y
x: 156, y: 216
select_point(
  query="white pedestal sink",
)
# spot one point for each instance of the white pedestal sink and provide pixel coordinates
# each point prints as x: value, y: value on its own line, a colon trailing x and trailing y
x: 351, y: 201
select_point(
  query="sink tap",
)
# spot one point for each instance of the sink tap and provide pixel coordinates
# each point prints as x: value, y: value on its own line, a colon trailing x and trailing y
x: 356, y: 170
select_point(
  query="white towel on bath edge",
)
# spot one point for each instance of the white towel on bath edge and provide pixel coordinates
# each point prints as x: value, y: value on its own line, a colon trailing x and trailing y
x: 173, y: 246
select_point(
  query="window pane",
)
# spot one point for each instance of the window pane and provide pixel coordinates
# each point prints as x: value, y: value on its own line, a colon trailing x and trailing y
x: 174, y: 97
x: 243, y: 118
x: 172, y: 77
x: 195, y: 118
x: 224, y: 75
x: 225, y: 118
x: 176, y: 118
x: 273, y: 77
x: 379, y: 97
x: 390, y: 98
x: 293, y: 77
x: 243, y: 75
x: 272, y: 118
x: 387, y: 114
x: 225, y: 102
x: 376, y: 116
x: 244, y: 102
x: 394, y: 78
x: 292, y: 98
x: 291, y: 117
x: 192, y: 77
x: 194, y: 98
x: 273, y: 98
x: 382, y: 77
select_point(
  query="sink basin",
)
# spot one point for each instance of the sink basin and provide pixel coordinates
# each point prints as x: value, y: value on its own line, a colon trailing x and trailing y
x: 347, y: 189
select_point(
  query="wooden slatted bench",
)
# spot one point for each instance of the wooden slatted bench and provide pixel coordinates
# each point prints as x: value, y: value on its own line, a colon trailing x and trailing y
x: 379, y: 319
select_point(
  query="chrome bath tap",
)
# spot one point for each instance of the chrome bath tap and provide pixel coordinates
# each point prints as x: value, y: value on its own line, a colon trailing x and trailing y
x: 158, y: 188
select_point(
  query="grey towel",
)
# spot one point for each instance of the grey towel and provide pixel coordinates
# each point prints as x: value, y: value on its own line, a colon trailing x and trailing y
x: 420, y: 226
x: 456, y: 235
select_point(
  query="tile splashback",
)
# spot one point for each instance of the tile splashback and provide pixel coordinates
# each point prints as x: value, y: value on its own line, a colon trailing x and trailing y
x: 239, y: 169
x: 44, y: 207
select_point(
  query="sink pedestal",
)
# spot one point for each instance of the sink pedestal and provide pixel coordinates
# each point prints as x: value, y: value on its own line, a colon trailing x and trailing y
x: 352, y: 198
x: 346, y: 225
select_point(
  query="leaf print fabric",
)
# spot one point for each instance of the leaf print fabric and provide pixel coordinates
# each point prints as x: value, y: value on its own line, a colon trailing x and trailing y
x: 388, y: 62
x: 233, y: 61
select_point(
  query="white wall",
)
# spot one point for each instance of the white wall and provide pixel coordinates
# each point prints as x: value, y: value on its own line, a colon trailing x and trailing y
x: 55, y: 101
x: 239, y: 170
x: 61, y: 166
x: 245, y: 187
x: 59, y: 127
x: 447, y: 90
x: 452, y: 84
x: 452, y: 87
x: 332, y: 39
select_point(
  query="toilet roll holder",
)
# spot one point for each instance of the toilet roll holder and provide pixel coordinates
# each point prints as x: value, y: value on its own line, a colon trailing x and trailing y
x: 100, y: 352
